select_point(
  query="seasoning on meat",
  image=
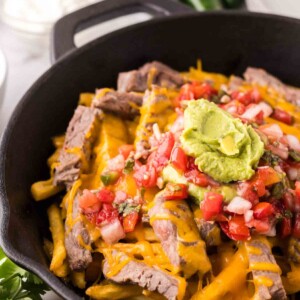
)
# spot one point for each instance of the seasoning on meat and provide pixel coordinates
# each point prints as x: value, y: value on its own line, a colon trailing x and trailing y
x: 151, y: 278
x: 76, y: 152
x: 261, y: 77
x: 150, y: 73
x: 173, y: 224
x: 77, y: 240
x: 125, y: 105
x: 265, y: 271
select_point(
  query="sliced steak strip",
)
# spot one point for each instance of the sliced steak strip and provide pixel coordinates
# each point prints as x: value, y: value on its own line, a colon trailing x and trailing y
x: 173, y: 224
x: 294, y: 249
x: 123, y: 104
x: 259, y: 252
x: 78, y: 256
x: 209, y: 232
x: 77, y: 148
x: 150, y: 278
x: 261, y: 77
x: 150, y: 73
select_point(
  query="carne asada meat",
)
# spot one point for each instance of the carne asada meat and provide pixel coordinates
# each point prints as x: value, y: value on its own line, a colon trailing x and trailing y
x: 209, y: 231
x: 173, y: 224
x: 150, y: 278
x: 260, y: 253
x: 78, y: 256
x: 150, y: 73
x: 124, y: 105
x: 261, y: 77
x: 76, y: 151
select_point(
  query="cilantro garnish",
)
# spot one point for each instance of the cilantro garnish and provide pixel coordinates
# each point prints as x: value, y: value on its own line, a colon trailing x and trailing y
x: 16, y: 283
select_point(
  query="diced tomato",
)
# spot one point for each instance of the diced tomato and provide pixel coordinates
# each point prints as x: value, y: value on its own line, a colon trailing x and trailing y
x: 191, y: 164
x: 107, y: 214
x: 130, y: 221
x: 247, y: 191
x: 263, y: 210
x: 211, y: 206
x: 296, y: 229
x: 105, y: 196
x: 165, y: 145
x: 259, y: 118
x: 145, y: 176
x: 237, y: 227
x: 175, y: 191
x: 282, y: 116
x: 285, y: 228
x: 196, y: 90
x: 196, y: 177
x: 268, y: 175
x: 236, y: 237
x: 289, y: 200
x: 179, y: 159
x: 247, y: 98
x: 125, y: 150
x: 234, y: 107
x: 89, y: 202
x: 260, y: 226
x: 297, y: 188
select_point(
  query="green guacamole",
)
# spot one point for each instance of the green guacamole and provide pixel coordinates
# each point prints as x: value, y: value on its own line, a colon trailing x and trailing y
x: 224, y: 147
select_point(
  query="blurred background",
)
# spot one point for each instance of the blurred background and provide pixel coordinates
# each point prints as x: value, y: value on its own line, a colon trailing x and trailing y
x: 25, y: 31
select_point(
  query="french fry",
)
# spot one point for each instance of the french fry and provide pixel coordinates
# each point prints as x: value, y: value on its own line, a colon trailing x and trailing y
x: 78, y: 279
x: 58, y: 236
x: 44, y: 189
x: 63, y: 270
x: 113, y: 291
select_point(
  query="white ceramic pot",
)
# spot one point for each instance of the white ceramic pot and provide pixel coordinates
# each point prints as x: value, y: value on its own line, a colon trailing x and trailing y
x: 3, y: 72
x: 290, y: 8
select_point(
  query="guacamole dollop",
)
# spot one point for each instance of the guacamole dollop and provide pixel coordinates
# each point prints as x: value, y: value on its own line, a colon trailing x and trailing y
x: 224, y: 147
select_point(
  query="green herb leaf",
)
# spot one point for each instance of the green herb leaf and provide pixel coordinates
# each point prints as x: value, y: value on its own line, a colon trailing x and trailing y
x: 126, y: 208
x: 16, y: 283
x: 295, y: 155
x: 129, y: 164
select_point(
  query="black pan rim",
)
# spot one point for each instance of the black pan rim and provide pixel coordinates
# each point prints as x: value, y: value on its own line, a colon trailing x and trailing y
x: 5, y: 243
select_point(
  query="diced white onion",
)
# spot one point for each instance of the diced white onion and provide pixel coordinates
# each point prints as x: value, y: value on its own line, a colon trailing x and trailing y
x: 272, y: 130
x: 266, y: 109
x: 239, y: 205
x: 293, y: 142
x: 248, y: 216
x: 252, y: 112
x: 111, y: 233
x: 271, y: 231
x: 292, y: 173
x: 156, y: 131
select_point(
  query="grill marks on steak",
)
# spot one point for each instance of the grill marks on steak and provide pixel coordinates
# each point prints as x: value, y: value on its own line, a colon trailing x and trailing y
x: 150, y: 73
x: 77, y: 148
x: 150, y: 278
x: 179, y: 243
x: 123, y: 104
x: 261, y: 77
x: 260, y: 252
x: 78, y: 256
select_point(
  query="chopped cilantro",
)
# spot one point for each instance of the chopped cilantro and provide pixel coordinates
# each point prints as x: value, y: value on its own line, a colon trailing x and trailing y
x: 129, y: 164
x: 295, y: 155
x: 126, y: 208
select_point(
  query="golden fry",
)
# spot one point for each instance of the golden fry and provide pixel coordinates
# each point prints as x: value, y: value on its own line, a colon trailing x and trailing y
x: 78, y: 279
x: 58, y: 236
x: 44, y: 189
x: 113, y: 291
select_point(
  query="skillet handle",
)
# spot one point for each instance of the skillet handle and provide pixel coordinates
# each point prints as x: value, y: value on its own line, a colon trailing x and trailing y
x: 65, y: 28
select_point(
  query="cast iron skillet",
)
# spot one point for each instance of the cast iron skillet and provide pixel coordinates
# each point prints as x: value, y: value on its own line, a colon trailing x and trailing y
x: 227, y: 42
